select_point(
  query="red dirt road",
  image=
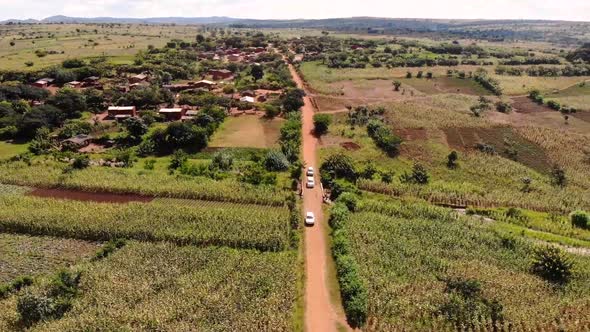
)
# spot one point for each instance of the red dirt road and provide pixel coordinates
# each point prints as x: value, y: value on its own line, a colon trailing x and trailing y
x: 320, y: 314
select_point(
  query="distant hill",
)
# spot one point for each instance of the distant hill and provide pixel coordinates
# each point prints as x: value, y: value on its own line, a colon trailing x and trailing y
x: 108, y: 20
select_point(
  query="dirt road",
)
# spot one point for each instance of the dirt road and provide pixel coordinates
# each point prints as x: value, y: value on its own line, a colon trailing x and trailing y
x: 320, y: 313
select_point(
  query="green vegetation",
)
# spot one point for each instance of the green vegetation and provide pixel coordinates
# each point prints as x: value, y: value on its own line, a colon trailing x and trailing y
x: 196, y: 223
x: 426, y: 268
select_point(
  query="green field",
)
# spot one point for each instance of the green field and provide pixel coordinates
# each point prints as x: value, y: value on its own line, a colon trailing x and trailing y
x: 408, y: 264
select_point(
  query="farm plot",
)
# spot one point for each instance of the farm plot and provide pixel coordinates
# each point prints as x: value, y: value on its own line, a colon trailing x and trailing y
x: 22, y: 255
x: 439, y: 85
x: 133, y: 181
x: 8, y: 150
x: 411, y: 267
x: 228, y: 225
x: 167, y: 288
x: 505, y: 142
x: 251, y: 131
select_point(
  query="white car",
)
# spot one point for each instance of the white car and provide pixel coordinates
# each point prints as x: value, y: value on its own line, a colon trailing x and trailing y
x: 310, y: 182
x: 310, y: 171
x: 309, y: 219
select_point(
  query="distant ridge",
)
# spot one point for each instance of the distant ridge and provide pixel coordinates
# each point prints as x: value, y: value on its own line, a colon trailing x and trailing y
x: 110, y: 20
x: 368, y: 21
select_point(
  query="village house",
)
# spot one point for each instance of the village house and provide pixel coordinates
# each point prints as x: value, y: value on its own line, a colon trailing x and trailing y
x: 76, y: 142
x: 138, y: 78
x: 91, y: 81
x: 220, y: 74
x: 121, y: 112
x: 74, y: 84
x: 172, y: 114
x: 43, y: 83
x: 209, y: 85
x: 234, y: 58
x: 248, y: 99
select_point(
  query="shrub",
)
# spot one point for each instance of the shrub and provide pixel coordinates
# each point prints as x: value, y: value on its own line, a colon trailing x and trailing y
x: 340, y: 187
x: 503, y: 107
x: 551, y: 264
x: 109, y: 248
x: 222, y: 160
x: 275, y: 161
x: 35, y: 308
x: 559, y: 178
x: 384, y: 138
x: 349, y: 199
x: 179, y: 159
x: 452, y: 160
x: 81, y: 162
x: 580, y: 219
x: 338, y: 215
x: 419, y: 175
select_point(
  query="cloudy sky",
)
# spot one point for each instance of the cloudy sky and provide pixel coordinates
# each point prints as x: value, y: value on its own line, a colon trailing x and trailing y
x: 280, y: 9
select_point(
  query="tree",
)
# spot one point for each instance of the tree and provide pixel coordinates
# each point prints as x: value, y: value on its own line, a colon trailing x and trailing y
x: 271, y: 111
x: 551, y: 264
x: 419, y: 175
x: 397, y: 85
x: 222, y: 160
x: 452, y: 160
x: 292, y: 100
x: 135, y: 127
x: 339, y: 166
x: 182, y: 135
x: 12, y: 43
x: 94, y: 100
x: 408, y: 75
x: 321, y: 123
x: 257, y: 72
x: 70, y: 101
x: 200, y: 38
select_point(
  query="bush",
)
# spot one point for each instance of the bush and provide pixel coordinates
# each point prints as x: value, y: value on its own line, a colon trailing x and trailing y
x: 350, y: 200
x: 551, y: 264
x: 452, y: 160
x: 81, y: 162
x: 338, y: 215
x: 275, y: 161
x: 109, y: 248
x: 580, y: 219
x: 35, y: 308
x: 179, y: 159
x: 384, y: 138
x: 419, y: 175
x: 321, y: 123
x: 222, y: 160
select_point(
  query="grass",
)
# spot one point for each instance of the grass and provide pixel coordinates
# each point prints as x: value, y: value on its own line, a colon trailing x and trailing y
x: 405, y: 260
x: 167, y: 288
x: 247, y: 131
x: 184, y: 222
x: 32, y: 255
x: 8, y: 150
x: 522, y: 85
x: 119, y: 43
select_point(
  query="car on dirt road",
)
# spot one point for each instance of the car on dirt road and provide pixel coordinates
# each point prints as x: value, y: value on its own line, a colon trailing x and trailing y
x: 309, y: 219
x: 310, y: 171
x: 310, y: 182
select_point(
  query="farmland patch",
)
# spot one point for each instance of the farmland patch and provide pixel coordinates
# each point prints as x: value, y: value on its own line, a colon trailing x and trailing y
x: 252, y: 131
x: 504, y: 141
x: 22, y: 255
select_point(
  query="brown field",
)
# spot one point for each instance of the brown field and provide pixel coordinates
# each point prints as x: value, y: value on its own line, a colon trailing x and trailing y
x: 253, y: 131
x: 501, y: 138
x: 443, y: 84
x: 526, y: 105
x: 28, y: 255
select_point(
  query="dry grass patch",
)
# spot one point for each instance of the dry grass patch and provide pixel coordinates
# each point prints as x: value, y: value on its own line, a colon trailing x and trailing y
x: 251, y: 131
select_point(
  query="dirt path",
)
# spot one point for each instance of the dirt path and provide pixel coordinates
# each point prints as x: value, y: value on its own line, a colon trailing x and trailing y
x: 320, y: 313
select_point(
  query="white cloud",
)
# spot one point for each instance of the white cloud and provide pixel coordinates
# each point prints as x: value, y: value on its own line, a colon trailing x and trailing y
x: 466, y: 9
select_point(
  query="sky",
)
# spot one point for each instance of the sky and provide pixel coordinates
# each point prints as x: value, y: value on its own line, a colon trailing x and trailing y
x: 574, y: 10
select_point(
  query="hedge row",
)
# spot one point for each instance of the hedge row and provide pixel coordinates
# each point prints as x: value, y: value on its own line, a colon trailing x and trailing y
x: 352, y: 288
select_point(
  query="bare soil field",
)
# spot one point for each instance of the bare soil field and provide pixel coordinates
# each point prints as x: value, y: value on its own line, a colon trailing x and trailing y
x: 247, y: 130
x: 75, y: 195
x: 526, y: 105
x: 505, y: 141
x: 446, y: 85
x: 412, y: 134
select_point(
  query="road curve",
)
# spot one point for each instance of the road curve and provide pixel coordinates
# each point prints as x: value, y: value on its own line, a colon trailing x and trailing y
x: 320, y: 314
